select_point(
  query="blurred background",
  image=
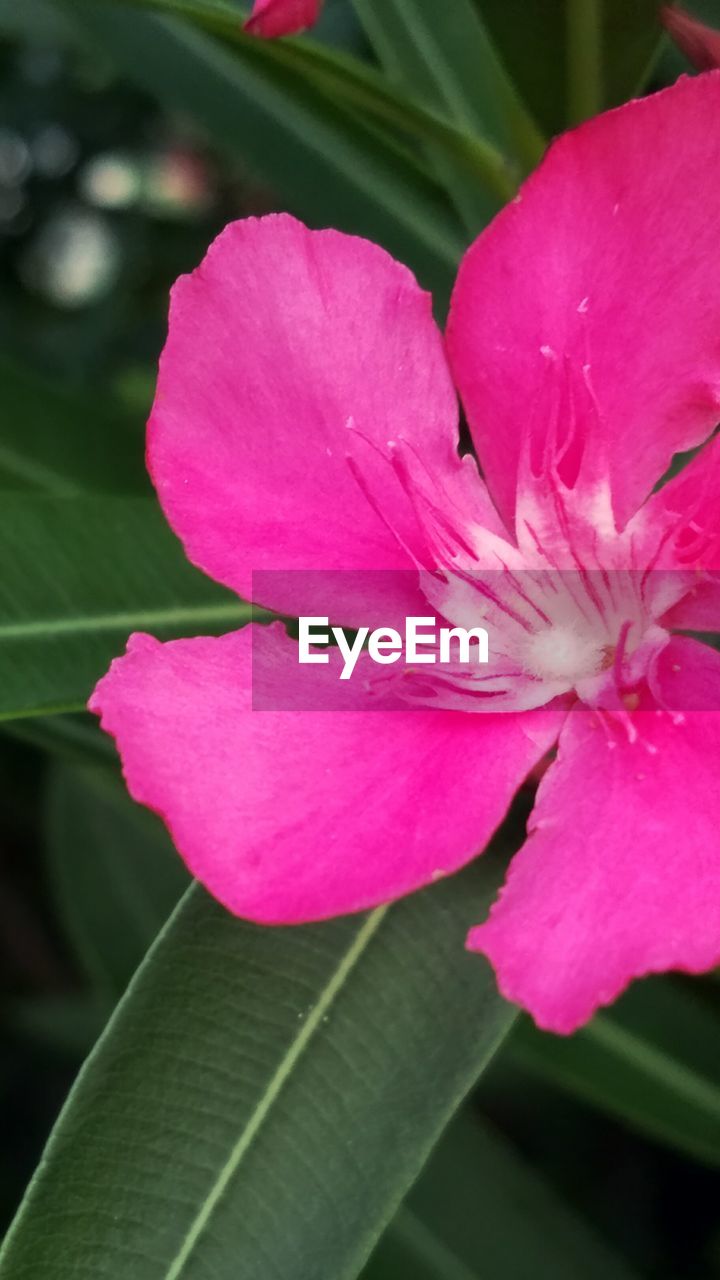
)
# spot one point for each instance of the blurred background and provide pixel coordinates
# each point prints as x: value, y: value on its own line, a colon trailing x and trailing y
x: 126, y: 143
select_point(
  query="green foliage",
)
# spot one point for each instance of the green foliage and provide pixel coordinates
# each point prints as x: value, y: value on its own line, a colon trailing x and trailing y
x: 535, y: 37
x: 452, y: 63
x: 263, y: 108
x: 480, y: 1209
x: 114, y: 874
x: 652, y: 1061
x: 64, y: 443
x: 79, y: 576
x: 261, y: 1092
x: 262, y: 1103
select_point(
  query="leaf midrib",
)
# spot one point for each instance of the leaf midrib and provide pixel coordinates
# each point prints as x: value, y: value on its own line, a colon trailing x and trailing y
x: 275, y: 1085
x: 84, y: 624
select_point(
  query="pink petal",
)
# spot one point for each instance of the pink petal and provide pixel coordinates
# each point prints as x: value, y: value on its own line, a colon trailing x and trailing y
x: 289, y: 816
x: 692, y: 500
x: 690, y: 504
x: 699, y: 610
x: 607, y: 260
x: 621, y: 874
x: 290, y: 352
x: 270, y: 18
x: 700, y: 44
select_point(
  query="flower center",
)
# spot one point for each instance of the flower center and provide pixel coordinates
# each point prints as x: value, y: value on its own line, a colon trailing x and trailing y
x: 567, y: 654
x: 550, y: 632
x: 569, y: 601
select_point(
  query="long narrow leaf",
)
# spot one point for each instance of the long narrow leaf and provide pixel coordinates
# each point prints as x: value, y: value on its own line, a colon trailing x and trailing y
x: 78, y: 576
x: 531, y: 38
x: 63, y: 442
x: 449, y: 61
x: 410, y: 1250
x: 73, y: 737
x: 264, y: 1098
x: 482, y: 1209
x: 651, y: 1062
x: 348, y: 81
x: 113, y: 873
x: 326, y: 164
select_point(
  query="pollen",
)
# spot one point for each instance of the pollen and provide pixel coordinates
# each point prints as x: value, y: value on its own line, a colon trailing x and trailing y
x: 608, y: 656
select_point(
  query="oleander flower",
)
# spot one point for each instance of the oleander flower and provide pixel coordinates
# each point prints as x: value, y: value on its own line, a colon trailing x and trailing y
x: 271, y: 18
x: 306, y: 420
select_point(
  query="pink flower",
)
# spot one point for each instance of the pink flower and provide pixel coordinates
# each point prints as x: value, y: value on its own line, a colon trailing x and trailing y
x: 270, y: 18
x: 306, y: 419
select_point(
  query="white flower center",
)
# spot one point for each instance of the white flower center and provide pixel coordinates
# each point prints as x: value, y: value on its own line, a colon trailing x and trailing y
x: 567, y: 654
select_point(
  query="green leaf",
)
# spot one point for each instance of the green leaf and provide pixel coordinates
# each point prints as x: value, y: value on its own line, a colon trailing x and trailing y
x: 321, y: 158
x: 37, y: 20
x: 532, y: 38
x: 651, y: 1061
x: 480, y: 1209
x: 478, y: 162
x: 64, y: 442
x: 114, y: 874
x: 410, y: 1250
x: 450, y: 60
x: 632, y: 37
x: 584, y: 59
x: 264, y: 1097
x: 347, y: 80
x: 387, y: 31
x: 75, y: 737
x: 454, y: 64
x: 78, y: 576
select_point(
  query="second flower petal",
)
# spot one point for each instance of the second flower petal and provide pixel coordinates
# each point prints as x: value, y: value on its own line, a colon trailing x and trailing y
x: 607, y: 259
x: 290, y: 352
x: 620, y: 876
x: 288, y: 816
